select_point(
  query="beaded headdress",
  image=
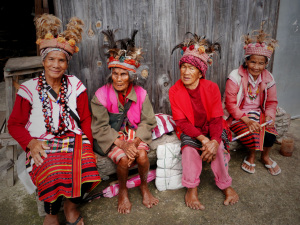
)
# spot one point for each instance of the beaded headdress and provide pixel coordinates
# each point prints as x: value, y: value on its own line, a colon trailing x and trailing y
x: 122, y: 53
x: 197, y: 51
x: 49, y: 36
x: 259, y: 43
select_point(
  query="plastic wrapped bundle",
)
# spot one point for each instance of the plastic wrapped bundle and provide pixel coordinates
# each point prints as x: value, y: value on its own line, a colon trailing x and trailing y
x: 169, y: 168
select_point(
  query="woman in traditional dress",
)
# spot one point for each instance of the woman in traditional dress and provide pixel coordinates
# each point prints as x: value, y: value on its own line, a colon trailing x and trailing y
x: 123, y: 118
x: 52, y: 123
x: 197, y: 110
x: 250, y: 100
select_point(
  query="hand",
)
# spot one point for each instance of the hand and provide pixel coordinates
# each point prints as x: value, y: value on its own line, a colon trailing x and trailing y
x: 252, y: 125
x: 37, y: 150
x: 137, y: 141
x: 130, y: 149
x: 209, y: 151
x: 203, y: 139
x: 270, y: 125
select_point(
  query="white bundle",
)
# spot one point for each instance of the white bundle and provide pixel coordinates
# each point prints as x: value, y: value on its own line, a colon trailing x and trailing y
x: 169, y: 168
x: 170, y: 163
x: 171, y: 183
x: 169, y: 150
x: 165, y: 173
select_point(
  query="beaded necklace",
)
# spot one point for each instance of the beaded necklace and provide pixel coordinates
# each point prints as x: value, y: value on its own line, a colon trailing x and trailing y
x: 43, y: 88
x: 252, y: 96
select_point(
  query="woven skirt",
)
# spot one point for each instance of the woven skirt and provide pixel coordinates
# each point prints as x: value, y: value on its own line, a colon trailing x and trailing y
x: 70, y: 162
x: 253, y: 140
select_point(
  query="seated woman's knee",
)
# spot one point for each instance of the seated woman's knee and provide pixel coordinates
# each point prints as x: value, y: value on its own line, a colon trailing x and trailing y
x: 143, y: 157
x: 123, y: 161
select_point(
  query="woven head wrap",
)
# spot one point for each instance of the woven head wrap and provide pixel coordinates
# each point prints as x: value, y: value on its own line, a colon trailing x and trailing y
x: 49, y: 38
x: 195, y: 61
x: 197, y: 51
x: 259, y: 43
x: 44, y: 52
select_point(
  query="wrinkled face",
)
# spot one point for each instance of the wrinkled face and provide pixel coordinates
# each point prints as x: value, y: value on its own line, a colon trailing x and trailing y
x: 120, y: 79
x: 55, y: 65
x: 256, y: 64
x: 190, y: 75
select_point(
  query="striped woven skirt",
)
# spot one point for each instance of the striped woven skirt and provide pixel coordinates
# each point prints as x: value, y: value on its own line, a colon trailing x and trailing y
x: 70, y: 162
x: 253, y: 140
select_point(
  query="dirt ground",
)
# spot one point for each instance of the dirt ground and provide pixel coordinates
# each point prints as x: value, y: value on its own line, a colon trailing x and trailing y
x: 264, y: 199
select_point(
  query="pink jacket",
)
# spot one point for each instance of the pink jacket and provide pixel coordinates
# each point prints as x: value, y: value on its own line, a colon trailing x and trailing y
x: 108, y: 98
x: 234, y: 102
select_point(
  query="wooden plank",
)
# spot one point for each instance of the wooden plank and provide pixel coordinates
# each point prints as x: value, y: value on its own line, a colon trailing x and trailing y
x: 45, y: 6
x: 6, y: 166
x: 6, y: 140
x: 10, y: 172
x: 23, y: 72
x: 9, y: 95
x: 23, y: 63
x: 2, y: 121
x: 38, y: 7
x: 161, y: 25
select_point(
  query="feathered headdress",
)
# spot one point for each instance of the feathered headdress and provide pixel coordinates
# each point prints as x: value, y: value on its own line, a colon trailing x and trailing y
x: 122, y: 53
x: 259, y: 43
x: 48, y: 28
x: 197, y: 51
x: 198, y: 46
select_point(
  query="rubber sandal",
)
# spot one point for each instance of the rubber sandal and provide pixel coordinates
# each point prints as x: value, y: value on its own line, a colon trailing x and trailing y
x: 249, y: 164
x: 76, y: 222
x: 274, y: 164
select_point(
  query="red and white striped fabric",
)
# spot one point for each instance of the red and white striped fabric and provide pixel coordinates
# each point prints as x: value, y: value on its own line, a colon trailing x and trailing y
x: 165, y: 124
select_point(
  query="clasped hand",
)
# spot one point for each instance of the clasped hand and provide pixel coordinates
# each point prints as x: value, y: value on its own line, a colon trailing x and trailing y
x: 209, y: 150
x: 130, y: 150
x: 37, y: 150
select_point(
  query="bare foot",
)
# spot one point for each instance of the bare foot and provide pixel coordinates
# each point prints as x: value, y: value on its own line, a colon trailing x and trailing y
x: 124, y: 205
x: 71, y: 212
x: 191, y: 199
x: 231, y: 197
x: 51, y: 220
x: 148, y: 199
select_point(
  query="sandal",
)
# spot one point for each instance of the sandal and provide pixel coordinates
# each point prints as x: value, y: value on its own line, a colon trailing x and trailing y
x: 76, y: 222
x: 249, y: 164
x: 274, y: 164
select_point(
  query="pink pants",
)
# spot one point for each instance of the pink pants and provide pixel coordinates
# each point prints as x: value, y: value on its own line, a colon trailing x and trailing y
x: 192, y: 167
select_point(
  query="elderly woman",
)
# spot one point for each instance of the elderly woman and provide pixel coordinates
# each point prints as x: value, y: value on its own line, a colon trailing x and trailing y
x: 251, y: 100
x: 51, y: 121
x: 123, y: 118
x: 197, y: 110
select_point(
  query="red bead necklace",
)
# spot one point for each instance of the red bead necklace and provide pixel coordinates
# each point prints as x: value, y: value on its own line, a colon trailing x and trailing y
x: 64, y: 114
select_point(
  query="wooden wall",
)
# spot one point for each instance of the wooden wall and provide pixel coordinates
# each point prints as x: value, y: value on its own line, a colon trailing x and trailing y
x: 162, y: 24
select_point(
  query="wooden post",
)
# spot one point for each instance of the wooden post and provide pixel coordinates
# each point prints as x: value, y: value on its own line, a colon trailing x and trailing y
x: 10, y: 154
x: 9, y: 94
x: 10, y: 149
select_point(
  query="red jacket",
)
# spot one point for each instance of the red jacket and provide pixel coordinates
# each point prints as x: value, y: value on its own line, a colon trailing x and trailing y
x: 182, y: 107
x: 268, y: 96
